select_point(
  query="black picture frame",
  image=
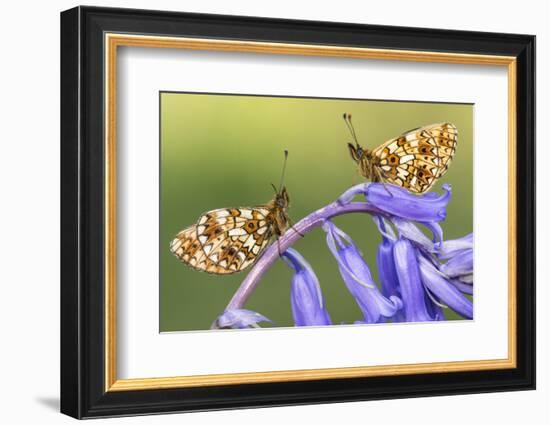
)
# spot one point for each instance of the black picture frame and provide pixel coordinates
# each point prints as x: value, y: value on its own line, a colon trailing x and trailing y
x: 83, y: 392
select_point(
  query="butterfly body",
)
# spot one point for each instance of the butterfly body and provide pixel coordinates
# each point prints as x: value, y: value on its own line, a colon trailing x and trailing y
x: 365, y: 161
x: 278, y: 214
x: 414, y: 160
x: 228, y: 240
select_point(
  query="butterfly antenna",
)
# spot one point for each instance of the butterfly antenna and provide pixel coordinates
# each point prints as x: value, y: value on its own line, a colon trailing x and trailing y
x: 352, y: 128
x: 283, y: 172
x: 349, y: 124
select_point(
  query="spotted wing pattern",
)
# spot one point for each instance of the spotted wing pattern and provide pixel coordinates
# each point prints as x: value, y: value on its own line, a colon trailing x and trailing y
x: 226, y: 240
x: 417, y: 158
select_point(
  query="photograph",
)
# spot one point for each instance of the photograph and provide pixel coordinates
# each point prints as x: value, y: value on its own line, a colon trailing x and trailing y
x: 269, y: 211
x: 301, y: 211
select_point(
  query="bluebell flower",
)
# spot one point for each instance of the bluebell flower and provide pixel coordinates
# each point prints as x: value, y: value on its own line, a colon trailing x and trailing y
x: 410, y: 231
x: 306, y: 299
x: 420, y: 276
x: 389, y: 280
x: 460, y: 265
x: 239, y: 319
x: 399, y: 202
x: 415, y: 301
x: 465, y: 288
x: 358, y: 279
x: 439, y: 284
x: 459, y: 254
x: 384, y: 259
x: 451, y: 247
x: 424, y: 287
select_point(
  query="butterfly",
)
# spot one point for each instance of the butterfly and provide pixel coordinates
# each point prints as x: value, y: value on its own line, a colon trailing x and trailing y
x: 414, y: 160
x: 228, y: 240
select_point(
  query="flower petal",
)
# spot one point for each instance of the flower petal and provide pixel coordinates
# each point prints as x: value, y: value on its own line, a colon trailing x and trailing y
x: 385, y: 230
x: 460, y: 264
x: 412, y: 289
x: 388, y: 275
x: 372, y: 303
x: 399, y: 202
x: 410, y: 231
x: 358, y: 278
x: 434, y: 309
x: 348, y: 195
x: 443, y: 289
x: 436, y: 230
x: 336, y: 240
x: 450, y: 247
x: 386, y: 269
x: 464, y: 287
x: 305, y: 293
x: 467, y: 278
x: 239, y: 319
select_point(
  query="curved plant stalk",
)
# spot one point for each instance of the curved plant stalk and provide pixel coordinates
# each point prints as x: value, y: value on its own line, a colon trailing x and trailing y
x: 419, y: 291
x: 271, y: 254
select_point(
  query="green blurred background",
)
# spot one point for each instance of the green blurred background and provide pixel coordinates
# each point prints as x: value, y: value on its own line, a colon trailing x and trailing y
x: 224, y: 151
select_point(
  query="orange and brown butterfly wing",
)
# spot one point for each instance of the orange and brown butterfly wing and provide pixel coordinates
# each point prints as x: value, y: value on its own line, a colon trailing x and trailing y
x: 226, y: 240
x: 187, y: 248
x: 418, y: 158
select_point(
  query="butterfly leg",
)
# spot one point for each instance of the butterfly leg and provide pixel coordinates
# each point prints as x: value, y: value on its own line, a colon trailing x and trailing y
x: 379, y: 179
x: 387, y: 190
x: 279, y: 247
x: 293, y: 228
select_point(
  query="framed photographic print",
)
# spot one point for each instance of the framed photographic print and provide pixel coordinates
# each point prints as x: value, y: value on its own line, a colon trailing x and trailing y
x: 261, y: 212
